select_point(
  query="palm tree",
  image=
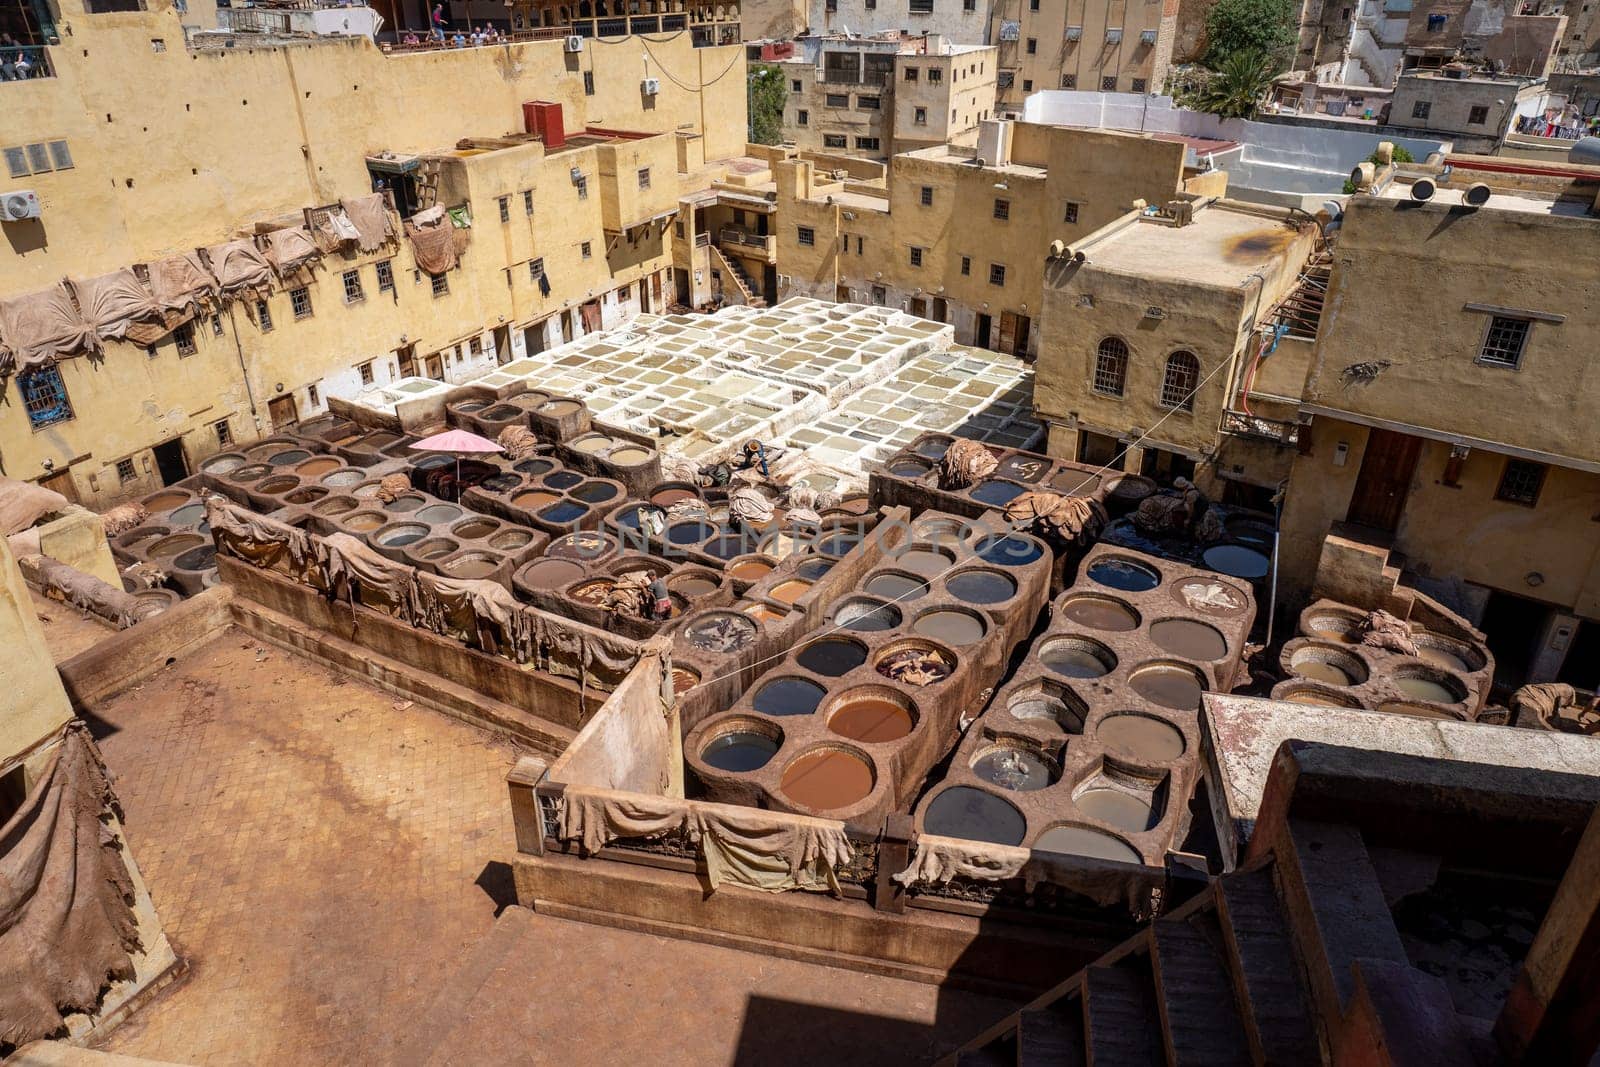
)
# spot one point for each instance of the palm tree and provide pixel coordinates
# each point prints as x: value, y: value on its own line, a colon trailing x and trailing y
x: 1235, y: 91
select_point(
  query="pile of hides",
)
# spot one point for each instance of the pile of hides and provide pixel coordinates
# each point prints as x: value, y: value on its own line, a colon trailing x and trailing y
x: 83, y: 591
x: 38, y: 328
x: 123, y: 518
x: 183, y: 283
x: 138, y: 577
x: 67, y: 925
x: 480, y: 613
x: 258, y: 540
x: 23, y: 504
x: 1169, y: 514
x: 519, y: 442
x: 1556, y: 706
x: 630, y: 596
x: 1065, y: 519
x: 916, y: 666
x: 393, y: 486
x: 939, y: 860
x: 290, y: 248
x: 370, y: 217
x: 433, y: 240
x: 676, y: 467
x: 239, y: 265
x: 113, y: 302
x: 1391, y: 633
x: 332, y: 230
x: 749, y: 507
x: 964, y: 463
x: 750, y: 847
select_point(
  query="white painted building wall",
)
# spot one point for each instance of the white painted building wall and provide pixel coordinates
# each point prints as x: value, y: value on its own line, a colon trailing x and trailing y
x: 951, y: 18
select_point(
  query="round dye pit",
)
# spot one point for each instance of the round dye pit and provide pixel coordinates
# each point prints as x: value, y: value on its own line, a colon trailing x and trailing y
x: 915, y: 664
x: 788, y: 696
x: 665, y: 498
x: 1240, y: 561
x: 692, y: 585
x: 728, y: 547
x: 502, y: 412
x: 996, y: 493
x: 243, y: 475
x: 1141, y: 737
x: 628, y: 455
x: 472, y: 565
x: 1336, y: 627
x: 925, y: 561
x: 893, y: 586
x: 551, y: 574
x: 534, y: 467
x: 188, y: 515
x: 1189, y: 639
x: 1431, y: 648
x: 827, y: 778
x: 866, y: 616
x: 1210, y: 597
x: 1075, y: 482
x: 813, y: 569
x: 403, y: 533
x: 595, y: 492
x: 740, y: 751
x: 1082, y: 841
x: 870, y: 717
x: 1133, y: 812
x: 1017, y: 769
x: 1329, y: 666
x: 723, y: 631
x: 1009, y: 551
x: 1317, y: 698
x: 334, y: 505
x: 689, y: 533
x: 789, y: 592
x: 1169, y: 685
x: 582, y: 545
x: 142, y: 535
x: 908, y: 468
x: 1435, y: 687
x: 364, y: 521
x: 563, y: 479
x: 511, y: 540
x: 224, y: 463
x: 954, y: 628
x: 196, y: 559
x: 683, y: 680
x: 832, y: 657
x: 1077, y: 657
x: 434, y: 514
x: 593, y: 444
x: 594, y: 592
x: 764, y: 614
x: 981, y: 587
x: 500, y: 483
x: 467, y: 407
x: 307, y: 494
x: 1023, y: 467
x: 750, y: 570
x: 340, y: 478
x: 287, y: 456
x: 277, y: 484
x: 318, y: 466
x: 175, y: 545
x: 974, y: 815
x: 564, y: 512
x: 932, y: 447
x: 404, y: 504
x: 433, y: 548
x: 839, y: 542
x: 1045, y: 709
x: 473, y: 528
x: 1100, y: 613
x: 1124, y: 574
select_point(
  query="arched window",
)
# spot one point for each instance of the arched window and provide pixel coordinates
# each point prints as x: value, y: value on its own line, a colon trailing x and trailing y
x: 1111, y: 367
x: 1180, y: 382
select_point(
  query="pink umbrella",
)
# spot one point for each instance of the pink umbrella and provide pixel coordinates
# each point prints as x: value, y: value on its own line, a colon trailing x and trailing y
x: 458, y: 442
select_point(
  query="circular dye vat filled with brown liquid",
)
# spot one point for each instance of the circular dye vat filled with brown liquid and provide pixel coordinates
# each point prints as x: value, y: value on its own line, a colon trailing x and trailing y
x: 1133, y: 812
x: 789, y: 592
x: 1328, y: 665
x: 954, y: 628
x: 1317, y: 697
x: 594, y: 592
x: 1429, y: 685
x: 364, y: 521
x: 551, y: 573
x: 825, y: 779
x: 1432, y: 648
x: 974, y: 814
x: 433, y: 548
x: 1100, y: 613
x: 1170, y: 685
x: 281, y: 483
x: 665, y: 498
x: 893, y: 586
x: 472, y: 565
x: 333, y: 505
x: 556, y: 409
x: 1013, y: 767
x: 750, y: 570
x: 1075, y: 482
x: 592, y: 444
x: 510, y: 540
x: 585, y: 544
x: 243, y: 475
x: 1082, y: 841
x: 1189, y: 639
x: 628, y: 455
x: 306, y: 494
x: 684, y: 679
x: 473, y: 528
x: 400, y: 534
x: 1141, y: 737
x: 871, y: 716
x: 175, y: 545
x: 981, y: 587
x: 318, y: 466
x: 1077, y: 657
x: 1336, y: 627
x: 692, y: 585
x: 832, y: 656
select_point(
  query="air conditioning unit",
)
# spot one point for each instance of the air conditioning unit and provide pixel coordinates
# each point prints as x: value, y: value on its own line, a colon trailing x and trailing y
x: 19, y: 205
x: 574, y: 43
x: 1074, y: 33
x: 1147, y: 36
x: 650, y: 86
x: 1114, y: 35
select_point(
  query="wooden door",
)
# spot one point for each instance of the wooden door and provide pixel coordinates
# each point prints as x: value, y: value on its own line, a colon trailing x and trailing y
x: 1019, y: 345
x: 940, y: 309
x: 283, y: 411
x: 62, y: 483
x: 919, y: 307
x: 435, y: 365
x: 1386, y: 471
x: 1008, y: 332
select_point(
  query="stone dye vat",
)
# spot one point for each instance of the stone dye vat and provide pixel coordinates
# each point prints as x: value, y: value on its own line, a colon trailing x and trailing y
x: 619, y: 455
x: 911, y: 477
x: 868, y: 704
x: 1448, y: 677
x: 591, y: 593
x: 1092, y: 748
x: 545, y: 494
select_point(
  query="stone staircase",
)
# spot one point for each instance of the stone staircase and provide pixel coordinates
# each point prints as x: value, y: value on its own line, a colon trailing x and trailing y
x: 1294, y: 962
x: 743, y: 284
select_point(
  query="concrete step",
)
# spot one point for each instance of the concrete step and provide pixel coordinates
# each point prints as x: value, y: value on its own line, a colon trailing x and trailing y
x: 1123, y: 1026
x: 1268, y: 987
x: 1199, y: 1019
x: 1051, y: 1036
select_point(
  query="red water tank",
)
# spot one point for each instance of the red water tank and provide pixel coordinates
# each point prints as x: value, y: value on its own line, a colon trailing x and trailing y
x: 542, y: 118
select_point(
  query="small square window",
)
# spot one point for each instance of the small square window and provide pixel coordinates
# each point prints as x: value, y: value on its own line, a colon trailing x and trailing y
x: 582, y: 185
x: 441, y: 284
x: 365, y: 370
x: 216, y: 326
x: 1108, y: 84
x: 916, y: 256
x: 838, y: 99
x: 527, y: 202
x: 644, y: 177
x: 353, y: 293
x: 1521, y: 482
x: 1138, y: 85
x: 385, y: 272
x: 1002, y: 209
x: 920, y: 116
x: 935, y: 74
x: 1033, y: 46
x: 588, y: 83
x: 802, y: 117
x: 997, y: 274
x: 1504, y: 342
x: 966, y: 265
x: 263, y: 316
x: 60, y: 156
x: 1027, y: 85
x: 927, y: 196
x: 125, y: 470
x: 1477, y: 115
x: 794, y: 86
x: 869, y: 103
x: 587, y: 248
x: 184, y: 337
x: 911, y: 74
x: 475, y: 346
x: 300, y: 302
x: 1071, y: 213
x: 1420, y: 109
x: 1069, y: 81
x: 805, y: 235
x: 224, y: 432
x: 505, y: 208
x: 969, y: 5
x: 535, y: 268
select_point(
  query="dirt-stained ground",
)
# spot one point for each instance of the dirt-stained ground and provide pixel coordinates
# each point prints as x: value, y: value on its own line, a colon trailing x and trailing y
x: 328, y: 859
x: 67, y: 631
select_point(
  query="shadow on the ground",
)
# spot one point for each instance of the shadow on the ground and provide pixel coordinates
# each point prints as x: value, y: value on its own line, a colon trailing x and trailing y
x: 786, y: 1031
x: 498, y: 885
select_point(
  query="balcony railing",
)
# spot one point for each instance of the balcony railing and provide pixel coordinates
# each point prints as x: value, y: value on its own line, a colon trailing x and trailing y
x: 733, y: 235
x: 1278, y: 431
x: 25, y: 63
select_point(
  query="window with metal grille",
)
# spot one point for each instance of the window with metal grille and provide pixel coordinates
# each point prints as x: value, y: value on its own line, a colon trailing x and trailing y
x: 183, y: 336
x: 927, y: 196
x: 44, y: 395
x: 353, y: 293
x: 795, y: 86
x: 920, y: 116
x: 1477, y: 116
x: 441, y: 284
x: 475, y: 345
x: 1420, y: 109
x: 803, y: 117
x: 867, y: 144
x: 966, y: 264
x: 1520, y: 482
x: 805, y: 235
x: 223, y: 431
x: 582, y: 185
x: 921, y: 7
x: 916, y: 257
x: 505, y: 208
x: 1180, y: 381
x: 300, y: 302
x: 535, y: 268
x: 911, y: 74
x: 1504, y: 342
x: 837, y: 99
x: 1071, y: 213
x: 644, y: 177
x: 833, y: 140
x: 125, y: 470
x: 1111, y: 367
x: 1138, y: 85
x: 263, y: 316
x: 869, y: 103
x: 588, y: 83
x: 365, y: 370
x: 313, y: 397
x: 1108, y: 83
x: 935, y: 74
x: 216, y: 326
x: 385, y: 272
x: 997, y: 274
x: 527, y: 202
x: 1002, y: 209
x: 1069, y: 81
x: 587, y: 249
